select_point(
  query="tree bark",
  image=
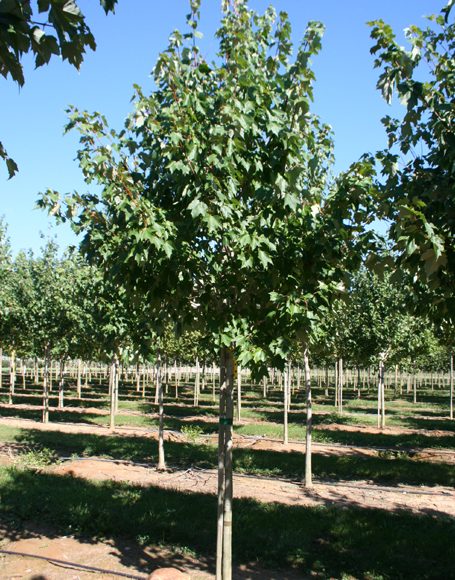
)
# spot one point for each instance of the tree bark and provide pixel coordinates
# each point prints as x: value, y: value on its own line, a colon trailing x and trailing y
x: 381, y: 398
x: 46, y: 388
x: 340, y: 386
x: 309, y: 421
x: 79, y: 379
x: 197, y: 383
x: 159, y: 387
x: 113, y: 385
x: 61, y: 385
x: 451, y: 387
x: 12, y: 376
x: 225, y: 489
x: 239, y: 393
x: 286, y: 410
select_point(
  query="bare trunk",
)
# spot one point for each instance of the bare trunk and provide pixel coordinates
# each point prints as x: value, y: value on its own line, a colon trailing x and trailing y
x: 286, y: 410
x: 12, y: 376
x: 309, y: 421
x: 451, y: 386
x: 159, y: 388
x: 46, y: 388
x: 225, y: 490
x: 239, y: 393
x: 381, y: 398
x: 113, y: 384
x: 340, y: 385
x: 61, y: 385
x: 78, y: 380
x: 197, y: 380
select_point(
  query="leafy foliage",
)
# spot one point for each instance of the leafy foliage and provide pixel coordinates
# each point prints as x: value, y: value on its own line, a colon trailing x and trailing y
x: 61, y: 30
x: 419, y: 191
x: 217, y: 203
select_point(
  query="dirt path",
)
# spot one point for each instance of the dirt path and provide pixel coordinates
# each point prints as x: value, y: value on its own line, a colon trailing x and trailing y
x: 33, y: 553
x: 267, y: 444
x: 418, y: 499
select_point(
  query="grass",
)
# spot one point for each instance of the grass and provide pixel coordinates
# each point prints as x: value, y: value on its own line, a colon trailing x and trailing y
x: 390, y: 470
x: 325, y: 541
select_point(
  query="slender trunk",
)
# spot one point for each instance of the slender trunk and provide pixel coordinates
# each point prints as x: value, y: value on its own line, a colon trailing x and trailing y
x: 451, y: 386
x: 159, y: 387
x: 286, y: 410
x: 61, y: 385
x: 239, y: 393
x: 112, y: 391
x: 309, y: 421
x: 414, y: 388
x: 225, y: 490
x: 138, y: 378
x: 213, y: 383
x: 78, y: 380
x: 381, y: 400
x: 46, y: 388
x: 340, y: 386
x: 12, y: 376
x: 197, y: 383
x: 336, y: 383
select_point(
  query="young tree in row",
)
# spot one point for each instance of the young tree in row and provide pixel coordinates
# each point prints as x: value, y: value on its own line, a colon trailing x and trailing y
x: 214, y: 203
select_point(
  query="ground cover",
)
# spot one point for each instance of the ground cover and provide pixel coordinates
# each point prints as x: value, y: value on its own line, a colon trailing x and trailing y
x: 407, y: 469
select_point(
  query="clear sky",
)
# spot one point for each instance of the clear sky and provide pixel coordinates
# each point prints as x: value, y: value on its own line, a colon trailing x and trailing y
x: 32, y: 119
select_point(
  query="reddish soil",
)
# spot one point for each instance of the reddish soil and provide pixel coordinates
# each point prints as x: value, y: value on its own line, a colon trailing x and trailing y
x: 42, y: 554
x: 127, y: 560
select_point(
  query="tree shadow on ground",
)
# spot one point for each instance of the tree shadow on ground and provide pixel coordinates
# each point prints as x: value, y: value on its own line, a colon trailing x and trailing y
x: 328, y: 541
x: 391, y: 470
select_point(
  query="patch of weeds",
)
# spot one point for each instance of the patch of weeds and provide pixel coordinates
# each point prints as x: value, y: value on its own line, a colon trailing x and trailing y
x: 394, y: 454
x: 192, y: 432
x: 37, y: 458
x: 185, y: 551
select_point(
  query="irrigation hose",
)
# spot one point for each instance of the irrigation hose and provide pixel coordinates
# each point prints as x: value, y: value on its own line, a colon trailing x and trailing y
x: 73, y: 565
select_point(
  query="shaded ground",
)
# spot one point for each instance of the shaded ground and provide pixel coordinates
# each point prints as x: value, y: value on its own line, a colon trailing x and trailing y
x: 42, y: 554
x: 418, y: 499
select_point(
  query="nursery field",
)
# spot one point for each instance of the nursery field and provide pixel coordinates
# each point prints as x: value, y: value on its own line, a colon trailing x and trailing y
x: 78, y: 498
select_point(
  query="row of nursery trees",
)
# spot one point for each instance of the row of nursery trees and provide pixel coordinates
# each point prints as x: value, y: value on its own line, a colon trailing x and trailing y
x: 60, y: 308
x: 216, y: 209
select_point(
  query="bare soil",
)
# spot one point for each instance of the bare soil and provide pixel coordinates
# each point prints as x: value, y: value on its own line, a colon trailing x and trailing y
x: 52, y: 556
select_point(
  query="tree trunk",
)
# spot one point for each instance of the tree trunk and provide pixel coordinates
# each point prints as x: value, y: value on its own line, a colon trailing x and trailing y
x: 159, y: 388
x: 381, y: 398
x: 309, y: 421
x: 12, y: 376
x: 138, y: 378
x: 113, y: 386
x: 1, y: 367
x: 79, y: 379
x: 451, y: 386
x: 61, y: 385
x: 286, y: 410
x: 239, y: 393
x: 336, y: 384
x: 46, y: 389
x: 225, y: 491
x: 340, y: 386
x: 197, y: 383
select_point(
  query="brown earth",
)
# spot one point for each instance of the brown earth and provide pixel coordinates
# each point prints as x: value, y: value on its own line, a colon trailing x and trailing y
x: 60, y: 557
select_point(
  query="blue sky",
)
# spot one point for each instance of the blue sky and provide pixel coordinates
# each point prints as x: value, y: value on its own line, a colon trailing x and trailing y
x: 32, y: 119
